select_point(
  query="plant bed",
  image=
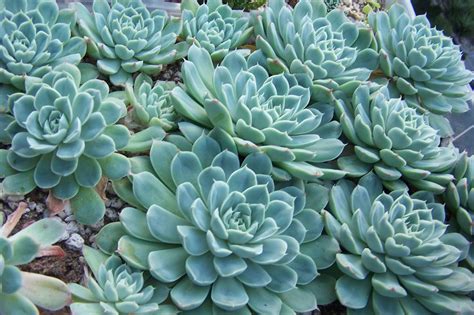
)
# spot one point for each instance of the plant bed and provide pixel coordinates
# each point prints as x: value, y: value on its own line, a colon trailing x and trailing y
x: 293, y: 159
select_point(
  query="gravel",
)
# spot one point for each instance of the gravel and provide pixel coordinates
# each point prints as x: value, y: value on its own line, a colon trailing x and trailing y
x: 76, y: 234
x: 353, y: 9
x: 75, y: 242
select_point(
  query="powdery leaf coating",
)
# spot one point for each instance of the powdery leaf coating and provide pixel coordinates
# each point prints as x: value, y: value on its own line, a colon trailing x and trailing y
x: 260, y: 113
x: 126, y: 38
x: 222, y: 231
x: 396, y: 255
x: 35, y: 36
x: 393, y: 139
x: 424, y: 65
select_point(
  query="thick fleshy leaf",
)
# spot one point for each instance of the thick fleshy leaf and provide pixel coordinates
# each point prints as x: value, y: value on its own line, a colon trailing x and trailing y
x: 353, y: 293
x: 188, y: 296
x: 167, y: 265
x: 164, y: 224
x: 87, y: 206
x: 229, y: 294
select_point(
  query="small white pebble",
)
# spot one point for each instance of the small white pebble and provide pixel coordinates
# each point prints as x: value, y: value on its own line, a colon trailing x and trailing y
x: 75, y: 242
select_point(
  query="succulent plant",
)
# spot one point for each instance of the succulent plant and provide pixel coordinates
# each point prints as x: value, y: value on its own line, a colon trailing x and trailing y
x: 459, y: 200
x: 393, y: 139
x: 64, y: 138
x: 151, y: 104
x: 117, y: 289
x: 327, y: 52
x: 260, y: 113
x: 35, y: 36
x: 396, y: 256
x: 5, y: 116
x: 424, y: 65
x: 222, y: 230
x: 215, y: 27
x: 20, y: 291
x: 126, y: 38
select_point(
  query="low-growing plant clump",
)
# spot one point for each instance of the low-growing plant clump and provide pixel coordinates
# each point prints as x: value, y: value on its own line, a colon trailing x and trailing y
x: 298, y: 163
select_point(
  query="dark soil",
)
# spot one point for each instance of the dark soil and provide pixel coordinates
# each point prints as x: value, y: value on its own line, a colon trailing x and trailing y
x: 69, y: 268
x: 170, y: 72
x: 332, y: 309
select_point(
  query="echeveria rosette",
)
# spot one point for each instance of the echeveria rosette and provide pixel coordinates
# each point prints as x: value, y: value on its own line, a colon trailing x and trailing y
x: 393, y: 139
x: 423, y: 64
x: 126, y: 38
x: 5, y: 115
x: 20, y: 290
x: 222, y: 232
x: 64, y: 138
x: 326, y: 51
x: 260, y: 113
x: 397, y: 257
x: 215, y: 27
x: 459, y: 200
x: 35, y: 36
x: 117, y: 289
x: 150, y: 103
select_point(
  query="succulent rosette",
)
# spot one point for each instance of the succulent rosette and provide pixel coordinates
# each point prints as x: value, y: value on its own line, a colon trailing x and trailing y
x: 126, y: 38
x: 5, y: 116
x: 326, y: 51
x: 260, y: 113
x: 64, y: 138
x: 459, y: 200
x: 35, y: 36
x: 222, y: 231
x: 150, y: 103
x: 117, y: 289
x: 397, y: 257
x: 394, y: 140
x: 20, y: 290
x: 215, y: 27
x: 424, y: 65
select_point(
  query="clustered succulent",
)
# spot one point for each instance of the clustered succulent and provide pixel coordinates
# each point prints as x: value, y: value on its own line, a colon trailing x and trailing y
x: 116, y: 289
x: 64, y: 138
x: 35, y: 36
x: 223, y: 231
x: 215, y: 27
x: 459, y: 200
x: 20, y: 290
x: 422, y: 64
x: 150, y: 103
x: 260, y: 113
x: 393, y: 139
x: 126, y: 38
x: 396, y: 255
x: 298, y: 162
x: 326, y: 52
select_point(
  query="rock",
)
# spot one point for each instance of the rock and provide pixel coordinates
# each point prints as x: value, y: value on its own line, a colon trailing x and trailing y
x: 40, y: 207
x: 116, y: 203
x: 15, y: 198
x: 92, y: 239
x: 72, y: 227
x: 75, y: 242
x: 111, y: 214
x: 32, y: 205
x: 98, y: 225
x: 64, y: 237
x: 70, y: 218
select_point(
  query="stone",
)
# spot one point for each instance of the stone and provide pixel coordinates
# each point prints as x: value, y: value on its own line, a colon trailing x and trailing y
x: 75, y: 242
